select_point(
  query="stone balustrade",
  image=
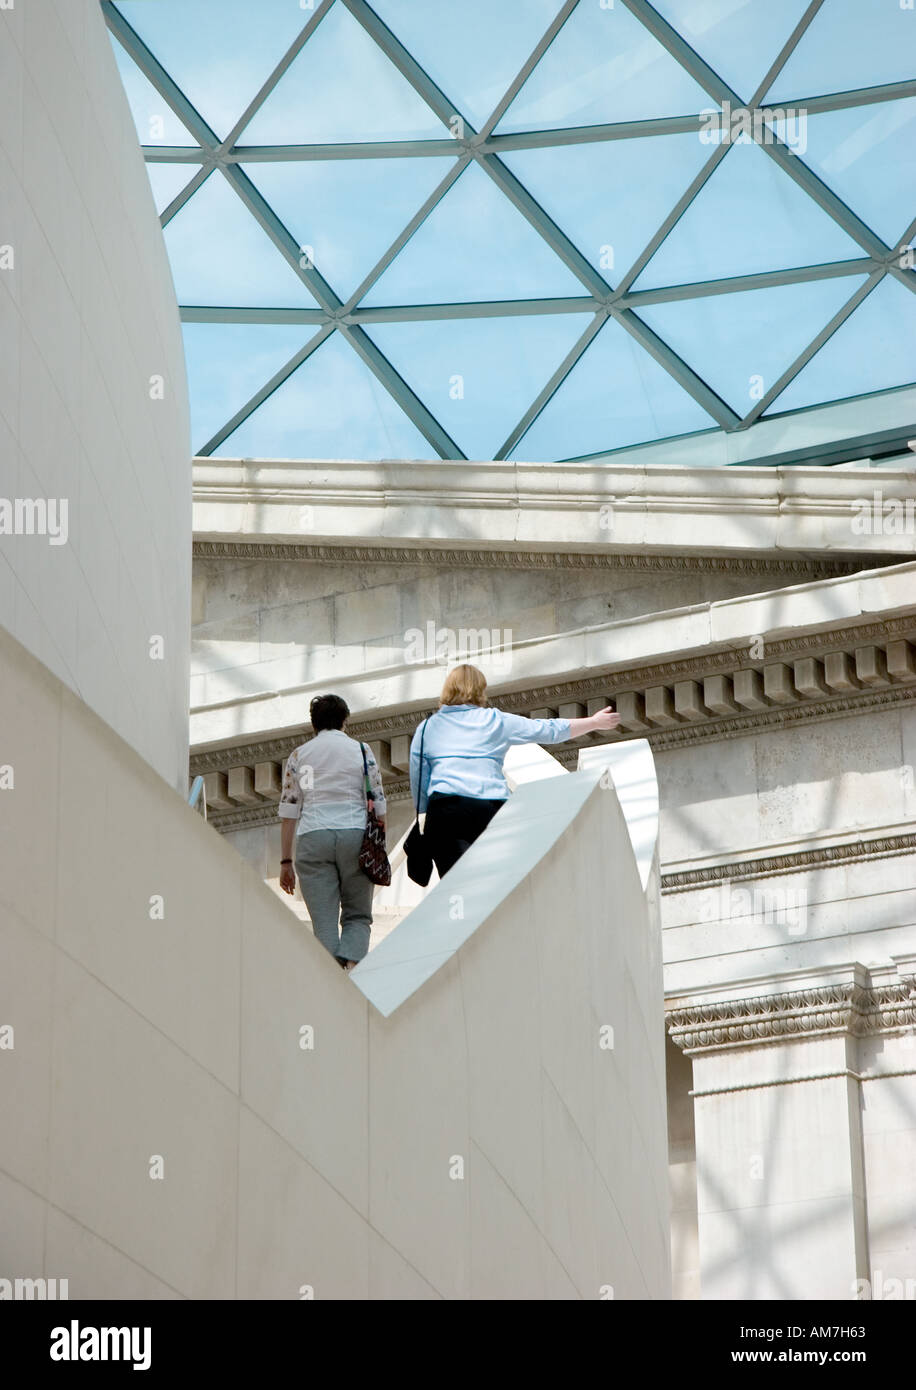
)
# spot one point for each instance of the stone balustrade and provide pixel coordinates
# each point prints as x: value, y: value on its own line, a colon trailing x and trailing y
x: 710, y: 696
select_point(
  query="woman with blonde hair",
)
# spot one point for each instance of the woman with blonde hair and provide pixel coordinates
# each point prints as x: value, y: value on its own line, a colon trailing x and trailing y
x: 456, y: 760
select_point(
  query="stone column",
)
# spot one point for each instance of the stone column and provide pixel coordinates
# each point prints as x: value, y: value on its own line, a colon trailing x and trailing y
x: 778, y: 1080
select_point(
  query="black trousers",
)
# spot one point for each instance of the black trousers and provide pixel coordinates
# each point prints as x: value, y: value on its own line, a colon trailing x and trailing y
x: 453, y: 823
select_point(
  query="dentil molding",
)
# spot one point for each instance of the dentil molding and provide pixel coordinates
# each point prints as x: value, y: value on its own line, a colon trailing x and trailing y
x: 515, y: 558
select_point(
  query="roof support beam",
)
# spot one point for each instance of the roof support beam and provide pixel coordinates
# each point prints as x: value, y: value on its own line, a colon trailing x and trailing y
x: 465, y: 144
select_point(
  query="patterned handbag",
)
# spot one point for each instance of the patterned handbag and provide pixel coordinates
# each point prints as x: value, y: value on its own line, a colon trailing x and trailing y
x: 373, y: 856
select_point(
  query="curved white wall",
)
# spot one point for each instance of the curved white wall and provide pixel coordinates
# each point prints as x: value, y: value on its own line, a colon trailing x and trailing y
x: 88, y: 327
x: 452, y: 1127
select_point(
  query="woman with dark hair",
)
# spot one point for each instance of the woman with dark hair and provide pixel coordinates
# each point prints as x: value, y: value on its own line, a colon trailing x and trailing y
x: 456, y: 760
x: 324, y: 802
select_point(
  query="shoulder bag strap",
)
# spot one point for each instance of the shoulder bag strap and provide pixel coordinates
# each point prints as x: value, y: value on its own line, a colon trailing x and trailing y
x: 370, y: 799
x: 420, y: 778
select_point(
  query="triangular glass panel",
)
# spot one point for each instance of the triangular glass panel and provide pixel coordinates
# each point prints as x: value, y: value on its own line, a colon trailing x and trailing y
x: 472, y: 51
x: 610, y: 197
x: 871, y: 351
x: 739, y: 39
x: 479, y: 376
x: 167, y: 181
x: 867, y: 155
x: 849, y: 44
x: 342, y: 87
x: 345, y: 213
x: 616, y: 395
x: 155, y: 120
x: 741, y: 343
x: 332, y: 407
x: 603, y: 66
x: 227, y: 363
x: 221, y: 255
x: 748, y: 217
x: 219, y: 52
x: 474, y: 245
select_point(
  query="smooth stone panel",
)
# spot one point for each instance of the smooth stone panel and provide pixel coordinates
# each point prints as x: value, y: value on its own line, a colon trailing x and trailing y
x: 298, y: 1238
x: 496, y: 1211
x: 115, y: 1109
x: 392, y: 1277
x: 172, y: 927
x: 94, y: 1268
x: 26, y: 992
x: 22, y: 1222
x: 315, y: 1096
x: 419, y: 1134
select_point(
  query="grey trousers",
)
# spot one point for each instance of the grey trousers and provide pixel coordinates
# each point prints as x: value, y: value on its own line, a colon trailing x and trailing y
x: 337, y: 893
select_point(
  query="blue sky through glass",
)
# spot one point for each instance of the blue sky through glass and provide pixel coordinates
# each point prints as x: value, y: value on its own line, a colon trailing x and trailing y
x: 332, y: 396
x: 472, y: 50
x: 603, y: 66
x: 867, y: 155
x: 741, y: 343
x: 168, y: 180
x: 748, y: 216
x: 243, y: 41
x: 155, y: 120
x: 478, y: 376
x: 221, y: 256
x: 615, y: 395
x: 849, y: 44
x: 228, y: 363
x: 871, y: 351
x: 474, y: 245
x: 611, y: 197
x: 739, y: 39
x: 341, y: 87
x: 347, y: 211
x: 560, y: 212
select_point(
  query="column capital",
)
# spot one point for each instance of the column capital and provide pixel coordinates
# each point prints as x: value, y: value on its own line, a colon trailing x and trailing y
x: 865, y: 1003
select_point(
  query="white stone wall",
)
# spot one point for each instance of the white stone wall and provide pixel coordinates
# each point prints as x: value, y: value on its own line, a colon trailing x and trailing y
x: 266, y: 625
x: 806, y: 1187
x: 784, y: 792
x: 889, y: 1152
x: 88, y: 329
x: 158, y: 992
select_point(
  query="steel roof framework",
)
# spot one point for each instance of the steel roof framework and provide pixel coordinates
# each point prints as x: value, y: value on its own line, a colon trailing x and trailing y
x: 484, y: 148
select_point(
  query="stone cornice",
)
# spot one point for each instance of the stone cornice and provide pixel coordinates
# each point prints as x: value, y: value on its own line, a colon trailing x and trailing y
x: 801, y: 512
x: 844, y: 1008
x: 809, y: 712
x: 678, y: 717
x: 622, y: 678
x: 578, y: 692
x: 768, y: 866
x: 521, y: 558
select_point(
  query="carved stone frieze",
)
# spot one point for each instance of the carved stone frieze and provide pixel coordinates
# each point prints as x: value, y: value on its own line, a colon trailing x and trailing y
x: 840, y: 1008
x: 766, y: 867
x: 516, y: 558
x: 872, y: 675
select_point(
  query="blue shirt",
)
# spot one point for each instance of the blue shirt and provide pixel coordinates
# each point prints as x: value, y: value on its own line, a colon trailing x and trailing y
x: 464, y: 748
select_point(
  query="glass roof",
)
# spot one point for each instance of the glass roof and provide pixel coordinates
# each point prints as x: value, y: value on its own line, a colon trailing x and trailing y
x: 530, y: 229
